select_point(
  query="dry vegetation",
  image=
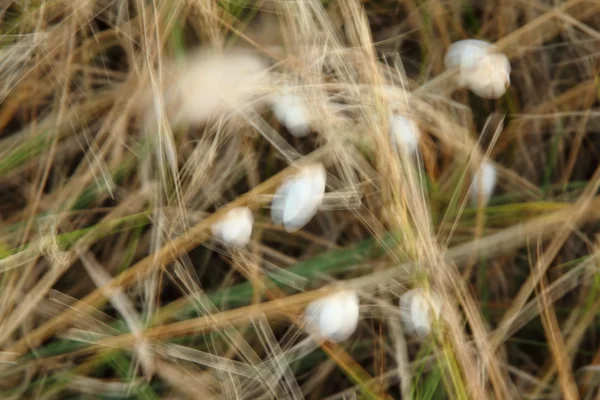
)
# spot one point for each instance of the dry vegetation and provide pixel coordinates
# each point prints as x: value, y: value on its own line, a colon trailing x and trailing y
x: 116, y: 158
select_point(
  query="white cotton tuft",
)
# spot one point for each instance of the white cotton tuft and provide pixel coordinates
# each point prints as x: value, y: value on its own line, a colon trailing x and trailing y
x: 417, y: 309
x: 299, y: 197
x: 334, y: 318
x: 482, y: 69
x: 484, y: 181
x: 207, y: 85
x: 466, y: 53
x: 235, y: 228
x: 292, y: 113
x: 404, y: 132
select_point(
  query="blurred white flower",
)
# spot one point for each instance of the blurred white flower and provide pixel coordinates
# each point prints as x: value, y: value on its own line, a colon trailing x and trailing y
x: 235, y: 228
x: 292, y: 113
x: 206, y: 85
x: 482, y: 68
x: 299, y: 197
x: 484, y: 181
x: 405, y: 133
x: 417, y: 309
x: 334, y: 317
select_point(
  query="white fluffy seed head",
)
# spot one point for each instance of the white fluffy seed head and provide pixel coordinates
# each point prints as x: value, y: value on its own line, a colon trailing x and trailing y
x: 404, y: 132
x: 466, y: 53
x: 484, y: 183
x: 208, y: 84
x: 334, y: 318
x: 299, y: 197
x: 482, y: 69
x: 417, y: 309
x: 235, y: 228
x: 292, y: 113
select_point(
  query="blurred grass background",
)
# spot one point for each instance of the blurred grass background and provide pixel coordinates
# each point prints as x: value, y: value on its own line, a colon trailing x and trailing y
x: 85, y: 189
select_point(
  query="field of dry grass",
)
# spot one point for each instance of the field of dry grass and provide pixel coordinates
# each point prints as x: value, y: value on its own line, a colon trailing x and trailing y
x: 128, y: 128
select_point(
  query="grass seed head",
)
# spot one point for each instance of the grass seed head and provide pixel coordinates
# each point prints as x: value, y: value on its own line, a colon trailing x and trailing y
x: 334, y: 318
x: 417, y: 309
x: 235, y: 228
x: 484, y: 182
x: 209, y: 85
x: 292, y: 113
x: 299, y: 197
x: 482, y: 69
x: 405, y: 133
